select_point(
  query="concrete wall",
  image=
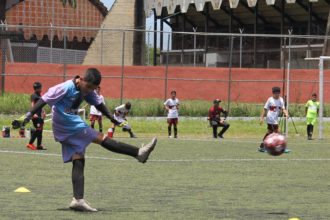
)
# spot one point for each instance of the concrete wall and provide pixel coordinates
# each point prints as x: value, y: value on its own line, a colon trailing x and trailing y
x: 107, y: 47
x: 190, y: 83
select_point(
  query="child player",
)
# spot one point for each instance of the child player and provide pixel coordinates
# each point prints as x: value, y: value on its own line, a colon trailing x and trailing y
x: 274, y: 107
x: 120, y: 116
x: 172, y: 107
x: 215, y: 119
x: 37, y: 119
x: 75, y: 135
x: 94, y: 114
x: 312, y: 110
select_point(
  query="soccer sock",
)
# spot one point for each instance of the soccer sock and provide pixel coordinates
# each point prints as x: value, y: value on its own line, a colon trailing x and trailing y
x: 78, y: 179
x: 33, y: 137
x: 169, y: 128
x: 100, y: 127
x: 39, y: 137
x: 130, y: 132
x: 92, y: 125
x: 119, y: 147
x: 312, y: 129
x: 175, y: 130
x: 215, y: 128
x: 308, y: 129
x: 224, y: 129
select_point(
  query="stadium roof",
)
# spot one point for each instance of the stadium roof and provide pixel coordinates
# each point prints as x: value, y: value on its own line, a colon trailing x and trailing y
x: 243, y: 13
x: 98, y: 4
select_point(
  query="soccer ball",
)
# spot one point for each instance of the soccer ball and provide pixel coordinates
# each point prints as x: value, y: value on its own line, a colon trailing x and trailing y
x: 275, y: 144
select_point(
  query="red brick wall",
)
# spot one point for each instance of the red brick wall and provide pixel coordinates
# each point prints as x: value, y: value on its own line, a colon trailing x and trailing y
x: 147, y: 82
x: 40, y: 13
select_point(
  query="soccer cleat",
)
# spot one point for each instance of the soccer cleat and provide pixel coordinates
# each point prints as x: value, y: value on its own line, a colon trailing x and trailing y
x: 41, y: 148
x: 31, y: 146
x: 133, y: 136
x: 220, y: 136
x: 169, y: 136
x: 261, y: 149
x: 175, y: 136
x: 287, y: 151
x: 81, y: 205
x: 145, y: 151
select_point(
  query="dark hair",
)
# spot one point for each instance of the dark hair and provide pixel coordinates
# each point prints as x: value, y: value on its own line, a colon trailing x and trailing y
x: 276, y: 89
x: 216, y: 101
x: 37, y: 85
x: 314, y: 94
x: 128, y: 105
x: 173, y: 92
x: 93, y: 76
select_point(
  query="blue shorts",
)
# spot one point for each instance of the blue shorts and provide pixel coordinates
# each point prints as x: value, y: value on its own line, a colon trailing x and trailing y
x: 77, y: 143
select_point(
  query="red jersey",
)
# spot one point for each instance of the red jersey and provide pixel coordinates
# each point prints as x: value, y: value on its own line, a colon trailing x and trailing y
x: 214, y: 112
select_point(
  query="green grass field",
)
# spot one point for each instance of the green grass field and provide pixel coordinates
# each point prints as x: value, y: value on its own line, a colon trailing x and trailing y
x: 187, y: 178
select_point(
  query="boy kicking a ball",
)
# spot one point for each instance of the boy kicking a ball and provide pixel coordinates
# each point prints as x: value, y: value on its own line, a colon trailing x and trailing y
x: 75, y: 135
x: 274, y: 106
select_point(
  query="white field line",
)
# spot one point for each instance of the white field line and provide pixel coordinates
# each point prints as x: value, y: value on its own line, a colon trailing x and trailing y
x: 206, y: 139
x: 173, y: 161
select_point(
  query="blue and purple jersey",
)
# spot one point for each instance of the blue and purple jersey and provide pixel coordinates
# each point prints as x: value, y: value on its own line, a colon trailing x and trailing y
x: 65, y: 99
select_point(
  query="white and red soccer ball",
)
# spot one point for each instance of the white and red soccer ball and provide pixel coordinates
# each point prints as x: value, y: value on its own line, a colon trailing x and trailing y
x: 275, y: 144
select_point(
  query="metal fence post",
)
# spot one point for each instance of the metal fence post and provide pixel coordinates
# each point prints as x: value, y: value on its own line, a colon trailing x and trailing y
x: 101, y: 56
x: 166, y: 68
x: 240, y: 47
x: 51, y: 42
x: 321, y: 97
x: 122, y: 68
x: 288, y: 84
x: 3, y: 65
x: 64, y: 60
x: 230, y: 68
x: 195, y: 29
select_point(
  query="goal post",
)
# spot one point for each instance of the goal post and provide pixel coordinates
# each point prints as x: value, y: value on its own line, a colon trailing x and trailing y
x: 321, y: 60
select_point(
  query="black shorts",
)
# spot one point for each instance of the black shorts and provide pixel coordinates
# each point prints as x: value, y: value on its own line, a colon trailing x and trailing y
x: 38, y: 123
x: 272, y: 128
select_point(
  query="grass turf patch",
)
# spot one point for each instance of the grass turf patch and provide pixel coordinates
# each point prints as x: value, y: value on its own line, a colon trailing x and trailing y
x: 184, y: 179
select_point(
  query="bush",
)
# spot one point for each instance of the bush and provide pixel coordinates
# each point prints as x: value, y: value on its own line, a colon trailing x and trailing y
x: 17, y: 104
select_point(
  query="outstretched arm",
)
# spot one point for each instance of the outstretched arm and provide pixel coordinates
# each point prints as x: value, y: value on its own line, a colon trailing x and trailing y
x: 105, y: 111
x: 35, y: 108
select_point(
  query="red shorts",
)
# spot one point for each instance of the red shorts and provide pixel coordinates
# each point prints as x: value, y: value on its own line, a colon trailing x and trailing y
x: 95, y: 118
x: 172, y: 121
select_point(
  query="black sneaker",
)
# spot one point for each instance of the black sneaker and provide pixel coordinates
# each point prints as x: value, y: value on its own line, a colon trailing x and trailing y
x: 220, y: 136
x: 41, y: 148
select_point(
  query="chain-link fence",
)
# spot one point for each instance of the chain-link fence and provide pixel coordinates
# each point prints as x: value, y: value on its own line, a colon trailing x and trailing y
x: 144, y: 64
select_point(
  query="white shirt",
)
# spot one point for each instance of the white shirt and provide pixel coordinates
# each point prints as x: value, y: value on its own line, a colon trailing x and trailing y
x: 93, y: 110
x: 173, y: 107
x: 274, y: 107
x: 121, y: 111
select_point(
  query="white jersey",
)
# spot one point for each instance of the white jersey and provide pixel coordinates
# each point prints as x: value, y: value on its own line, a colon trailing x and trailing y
x: 121, y: 111
x: 173, y: 108
x: 274, y: 107
x: 93, y: 110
